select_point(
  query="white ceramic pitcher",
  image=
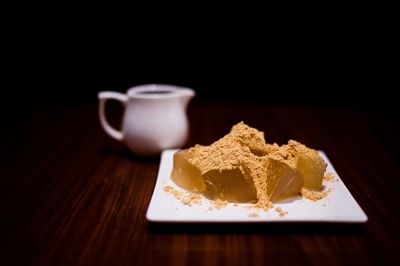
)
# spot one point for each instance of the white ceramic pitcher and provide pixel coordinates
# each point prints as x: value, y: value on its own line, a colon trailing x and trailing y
x: 154, y: 117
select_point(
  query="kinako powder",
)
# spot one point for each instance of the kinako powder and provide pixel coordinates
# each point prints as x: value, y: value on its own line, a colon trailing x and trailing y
x: 242, y: 167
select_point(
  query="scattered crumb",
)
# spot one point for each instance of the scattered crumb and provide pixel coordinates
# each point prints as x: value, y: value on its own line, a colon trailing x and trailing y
x: 210, y: 209
x: 187, y: 198
x: 314, y: 195
x: 219, y: 204
x: 191, y: 198
x: 265, y: 205
x: 261, y: 205
x: 235, y: 204
x: 281, y: 212
x: 254, y: 215
x: 176, y: 193
x: 168, y: 188
x: 329, y: 177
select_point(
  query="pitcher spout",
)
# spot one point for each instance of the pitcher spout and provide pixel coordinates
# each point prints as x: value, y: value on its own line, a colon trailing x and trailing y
x: 185, y: 96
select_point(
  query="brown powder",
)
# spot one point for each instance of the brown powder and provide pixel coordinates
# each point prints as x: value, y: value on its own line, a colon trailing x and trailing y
x: 176, y: 193
x: 242, y: 146
x: 254, y: 215
x: 329, y: 177
x: 187, y: 197
x: 281, y: 212
x: 263, y: 204
x: 314, y: 195
x: 191, y: 198
x: 219, y: 204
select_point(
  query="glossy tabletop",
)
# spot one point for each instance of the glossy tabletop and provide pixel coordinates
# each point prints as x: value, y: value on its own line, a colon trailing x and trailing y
x: 70, y: 195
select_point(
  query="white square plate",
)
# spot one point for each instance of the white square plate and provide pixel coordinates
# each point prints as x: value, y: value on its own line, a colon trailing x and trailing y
x: 338, y: 206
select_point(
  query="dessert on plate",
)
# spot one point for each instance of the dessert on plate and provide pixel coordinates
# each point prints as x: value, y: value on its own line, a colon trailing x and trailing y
x: 242, y: 167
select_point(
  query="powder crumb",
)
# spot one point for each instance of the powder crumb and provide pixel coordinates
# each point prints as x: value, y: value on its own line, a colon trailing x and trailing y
x: 176, y: 193
x: 187, y: 198
x: 280, y: 212
x: 191, y: 198
x: 219, y: 204
x: 168, y: 189
x: 263, y: 204
x: 329, y: 177
x: 314, y: 195
x: 254, y: 215
x: 210, y: 209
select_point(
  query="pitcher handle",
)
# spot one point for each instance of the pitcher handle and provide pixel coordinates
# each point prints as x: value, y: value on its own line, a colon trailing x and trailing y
x: 103, y: 97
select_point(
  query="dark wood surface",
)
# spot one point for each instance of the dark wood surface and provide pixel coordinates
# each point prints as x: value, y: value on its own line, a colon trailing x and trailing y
x: 69, y: 195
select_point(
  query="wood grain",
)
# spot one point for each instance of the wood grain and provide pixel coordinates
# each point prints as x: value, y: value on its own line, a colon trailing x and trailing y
x: 69, y: 195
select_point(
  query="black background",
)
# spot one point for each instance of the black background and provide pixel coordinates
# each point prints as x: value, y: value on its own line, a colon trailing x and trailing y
x: 65, y: 57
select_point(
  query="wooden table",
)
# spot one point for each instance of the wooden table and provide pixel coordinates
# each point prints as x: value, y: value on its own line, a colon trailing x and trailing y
x: 69, y: 195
